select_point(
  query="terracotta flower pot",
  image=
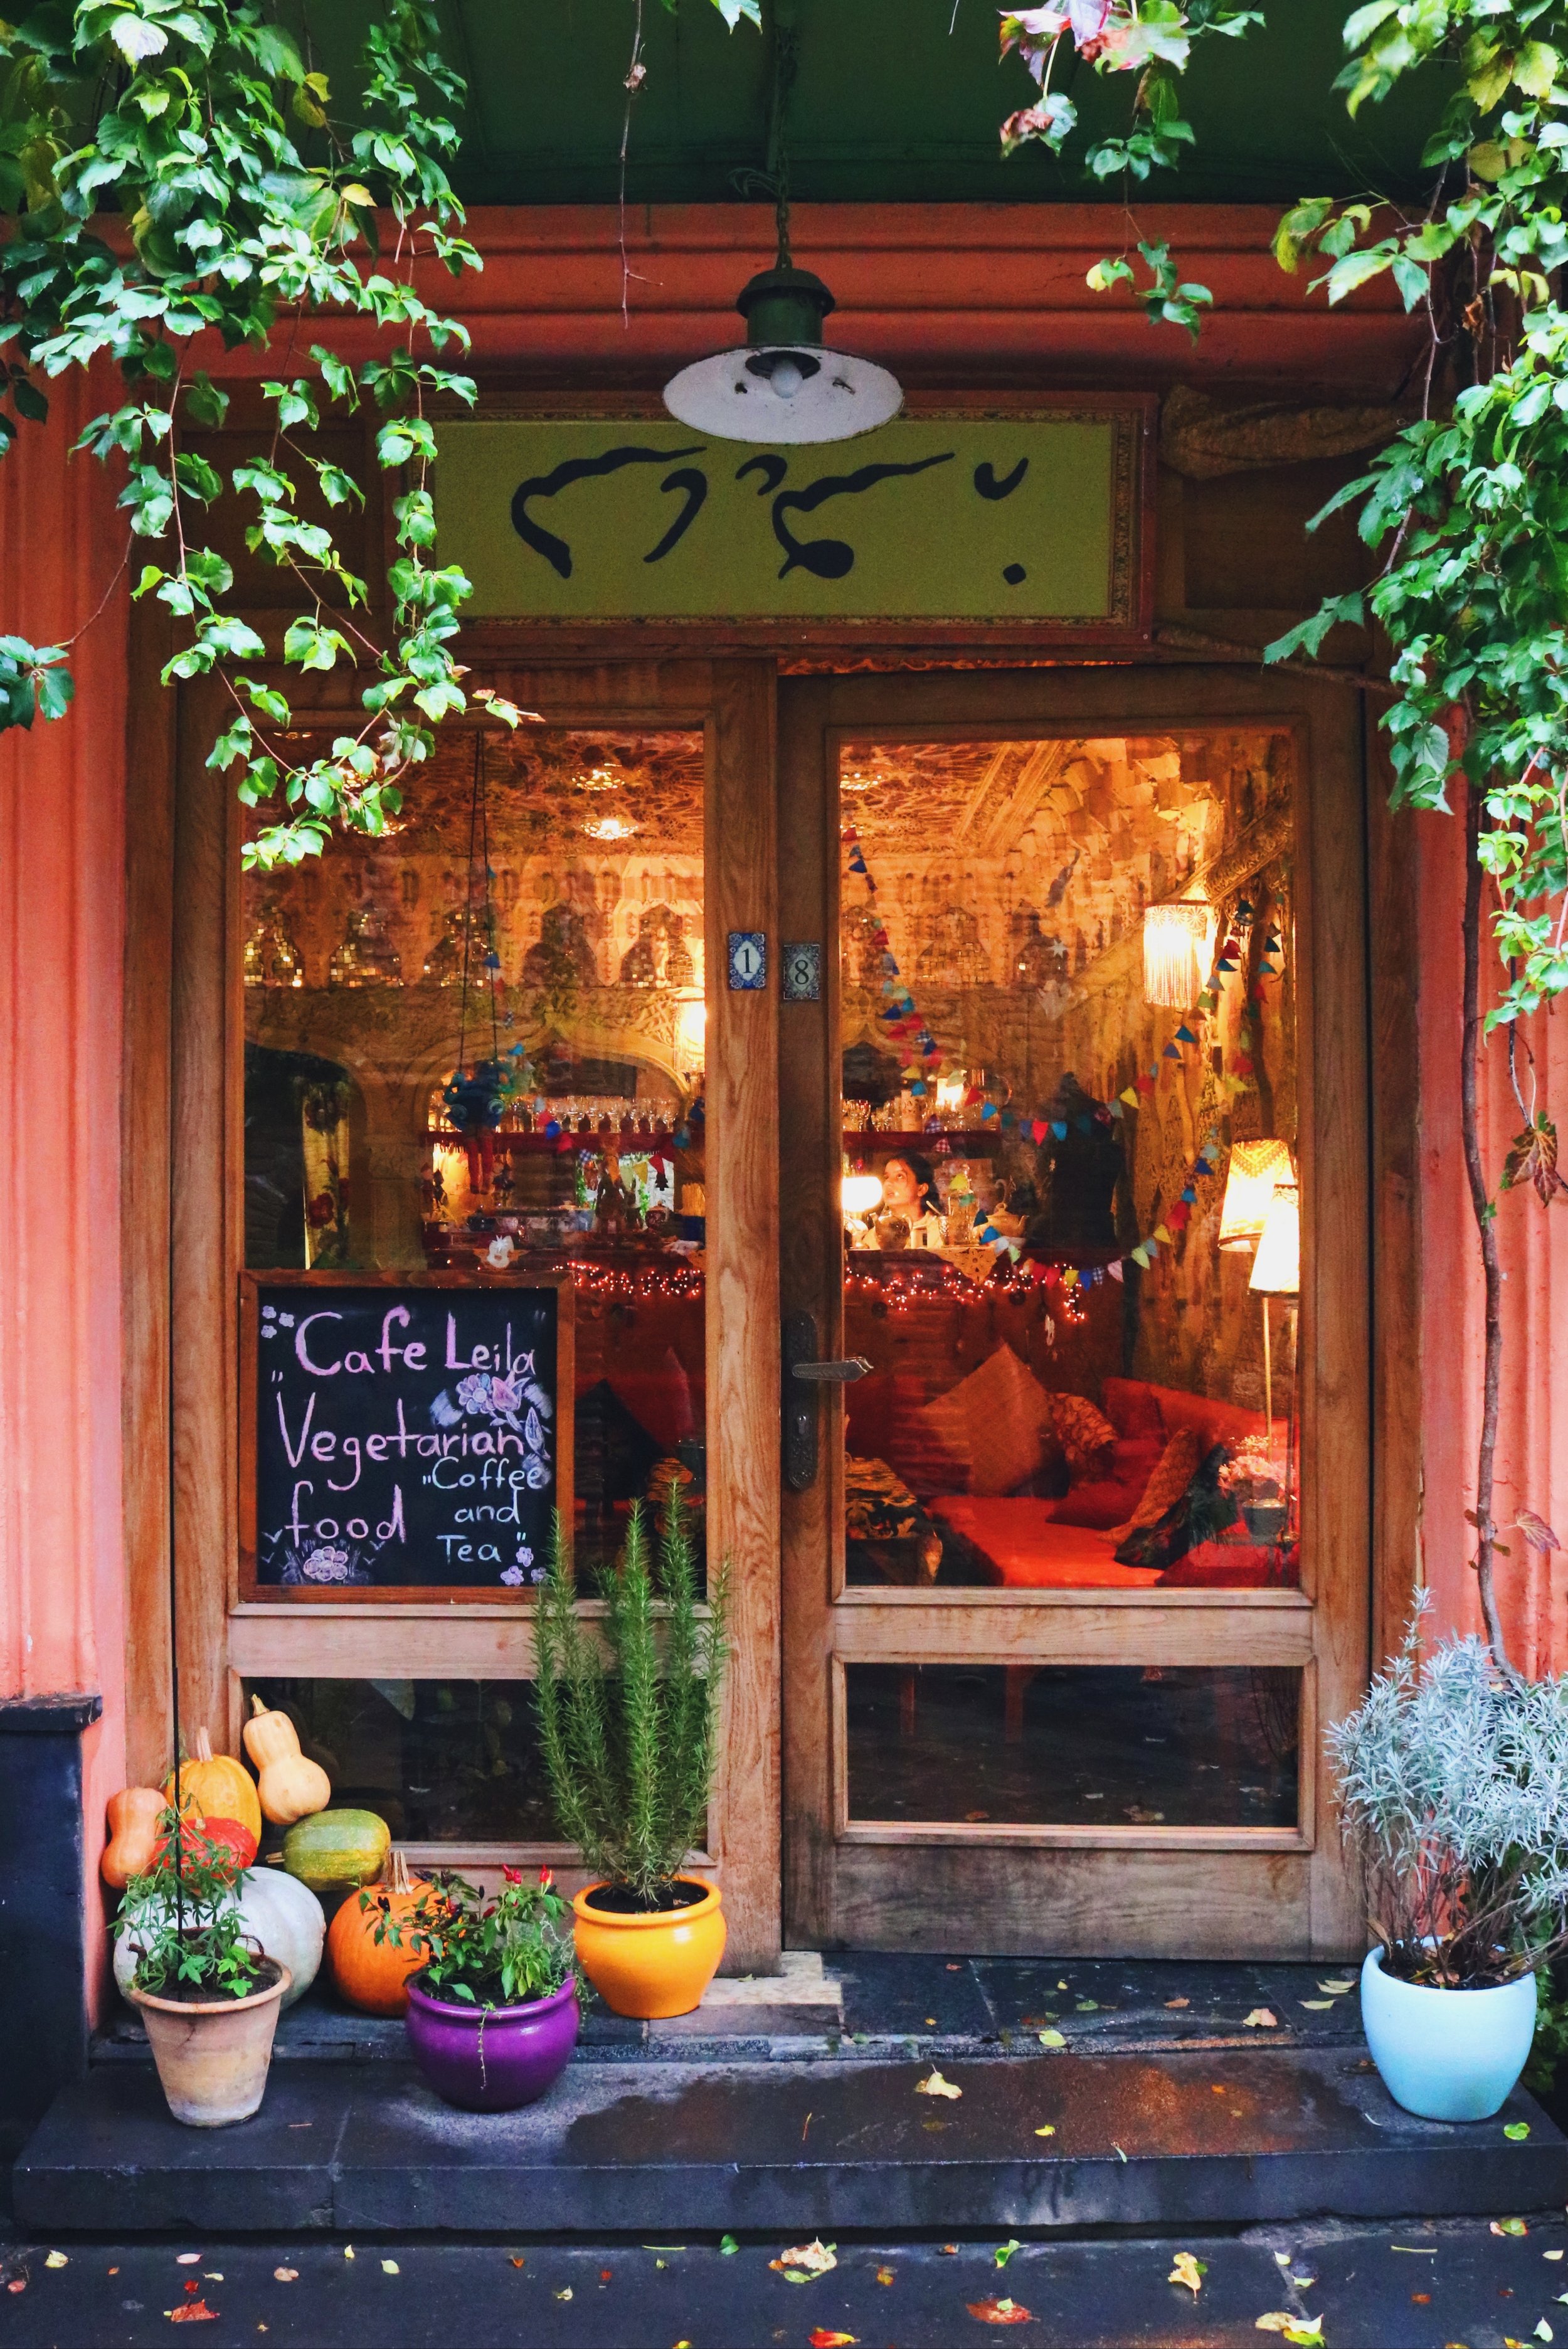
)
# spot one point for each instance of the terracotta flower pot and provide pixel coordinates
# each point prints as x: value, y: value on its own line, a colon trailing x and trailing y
x: 652, y: 1963
x: 212, y: 2056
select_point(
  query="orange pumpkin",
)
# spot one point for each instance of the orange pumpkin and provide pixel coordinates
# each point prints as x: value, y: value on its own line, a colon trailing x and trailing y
x: 133, y: 1815
x: 197, y: 1828
x: 371, y: 1974
x: 217, y: 1786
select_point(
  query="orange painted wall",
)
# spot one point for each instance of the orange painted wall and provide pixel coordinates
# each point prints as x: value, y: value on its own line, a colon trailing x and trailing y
x: 1533, y: 1470
x: 62, y: 1614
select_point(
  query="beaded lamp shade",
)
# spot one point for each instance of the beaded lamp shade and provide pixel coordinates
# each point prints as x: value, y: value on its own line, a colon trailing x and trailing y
x: 1255, y: 1168
x: 1177, y: 941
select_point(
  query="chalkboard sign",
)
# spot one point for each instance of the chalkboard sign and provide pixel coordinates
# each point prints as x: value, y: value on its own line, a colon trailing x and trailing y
x: 410, y: 1432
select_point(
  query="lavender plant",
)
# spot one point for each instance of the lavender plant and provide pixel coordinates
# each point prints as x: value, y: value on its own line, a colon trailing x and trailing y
x: 1453, y: 1804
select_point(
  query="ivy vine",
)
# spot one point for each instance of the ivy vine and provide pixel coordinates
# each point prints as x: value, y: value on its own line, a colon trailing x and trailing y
x: 251, y: 204
x: 1466, y: 506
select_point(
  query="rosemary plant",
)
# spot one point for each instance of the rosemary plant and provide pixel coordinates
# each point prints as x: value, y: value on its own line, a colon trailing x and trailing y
x: 1453, y: 1801
x: 629, y: 1736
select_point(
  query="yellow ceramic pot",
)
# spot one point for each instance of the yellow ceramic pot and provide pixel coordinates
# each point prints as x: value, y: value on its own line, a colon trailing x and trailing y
x: 646, y: 1966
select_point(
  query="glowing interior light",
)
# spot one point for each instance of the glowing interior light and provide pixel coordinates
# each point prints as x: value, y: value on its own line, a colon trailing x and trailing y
x: 1177, y: 941
x: 1255, y: 1168
x: 860, y: 1193
x: 610, y: 827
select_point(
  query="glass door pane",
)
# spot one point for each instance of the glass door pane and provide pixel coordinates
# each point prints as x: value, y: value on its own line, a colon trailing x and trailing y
x: 1069, y: 1188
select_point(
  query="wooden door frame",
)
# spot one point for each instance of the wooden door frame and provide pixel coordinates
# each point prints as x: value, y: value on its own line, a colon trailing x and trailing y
x: 1261, y: 1890
x: 184, y: 1243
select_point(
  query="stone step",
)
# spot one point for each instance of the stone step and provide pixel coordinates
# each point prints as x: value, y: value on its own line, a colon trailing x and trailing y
x: 1053, y: 2141
x: 1415, y: 2286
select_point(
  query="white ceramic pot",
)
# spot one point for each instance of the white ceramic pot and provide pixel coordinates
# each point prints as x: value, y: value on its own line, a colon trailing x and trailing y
x: 1446, y: 2055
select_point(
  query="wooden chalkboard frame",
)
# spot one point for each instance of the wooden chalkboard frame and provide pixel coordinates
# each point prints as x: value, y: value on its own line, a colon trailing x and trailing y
x: 387, y: 1597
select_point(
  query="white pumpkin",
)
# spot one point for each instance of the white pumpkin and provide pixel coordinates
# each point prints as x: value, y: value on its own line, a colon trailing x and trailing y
x: 281, y: 1913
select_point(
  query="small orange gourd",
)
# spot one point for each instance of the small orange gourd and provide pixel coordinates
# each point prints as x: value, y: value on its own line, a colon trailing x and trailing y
x: 216, y: 1783
x: 133, y: 1815
x: 371, y: 1974
x: 292, y: 1787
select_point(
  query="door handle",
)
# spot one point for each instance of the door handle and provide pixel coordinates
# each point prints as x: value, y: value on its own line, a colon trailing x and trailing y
x: 803, y: 1374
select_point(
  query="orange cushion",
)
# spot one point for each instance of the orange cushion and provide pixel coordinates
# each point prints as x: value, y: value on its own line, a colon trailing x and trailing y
x: 1132, y: 1408
x: 1110, y: 1500
x: 994, y: 1420
x: 1084, y: 1432
x: 1178, y: 1466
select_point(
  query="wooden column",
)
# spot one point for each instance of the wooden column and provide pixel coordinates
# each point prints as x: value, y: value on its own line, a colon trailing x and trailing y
x: 742, y: 1342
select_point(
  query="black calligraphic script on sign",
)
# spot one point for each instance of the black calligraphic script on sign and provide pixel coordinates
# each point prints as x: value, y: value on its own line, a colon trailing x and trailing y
x: 404, y: 1434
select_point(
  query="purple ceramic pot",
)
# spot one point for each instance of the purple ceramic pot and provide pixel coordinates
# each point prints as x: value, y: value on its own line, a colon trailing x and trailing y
x: 493, y: 2059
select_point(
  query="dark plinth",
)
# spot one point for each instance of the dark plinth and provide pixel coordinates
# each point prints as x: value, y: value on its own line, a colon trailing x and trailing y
x: 1416, y: 2287
x: 44, y: 2038
x: 1211, y: 2136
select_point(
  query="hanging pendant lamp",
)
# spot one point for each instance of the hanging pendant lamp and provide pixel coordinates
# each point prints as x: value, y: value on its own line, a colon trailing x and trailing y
x: 784, y: 384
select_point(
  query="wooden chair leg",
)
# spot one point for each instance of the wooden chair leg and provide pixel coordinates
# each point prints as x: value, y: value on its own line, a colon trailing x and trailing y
x: 1015, y: 1678
x: 906, y: 1701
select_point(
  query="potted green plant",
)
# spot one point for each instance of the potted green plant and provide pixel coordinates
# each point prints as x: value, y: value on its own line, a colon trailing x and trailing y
x: 1450, y: 1778
x: 208, y: 1995
x: 628, y: 1728
x: 492, y: 2012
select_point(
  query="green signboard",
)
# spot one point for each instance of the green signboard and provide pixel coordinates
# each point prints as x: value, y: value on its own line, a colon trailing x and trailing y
x: 974, y: 516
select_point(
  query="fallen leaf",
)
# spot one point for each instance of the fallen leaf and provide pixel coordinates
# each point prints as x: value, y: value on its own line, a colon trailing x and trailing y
x: 1550, y: 2255
x: 1318, y: 2005
x: 1048, y: 2130
x: 19, y: 2283
x: 931, y: 2020
x: 1053, y: 2039
x: 1260, y: 2019
x: 1421, y: 2299
x: 805, y: 2263
x: 884, y: 2275
x: 57, y: 2259
x: 188, y: 2258
x: 1337, y: 1987
x: 285, y: 2275
x: 1186, y: 2270
x: 1178, y: 2002
x: 1003, y: 2251
x: 948, y: 2250
x: 727, y: 2246
x: 564, y: 2295
x: 937, y: 2087
x: 515, y: 2260
x: 1509, y: 2227
x: 999, y: 2312
x: 212, y: 2275
x: 1543, y: 2331
x: 821, y: 2339
x: 348, y: 2251
x: 606, y: 2274
x: 1545, y: 2255
x: 1516, y: 2130
x: 1089, y: 2006
x: 191, y: 2311
x: 390, y: 2266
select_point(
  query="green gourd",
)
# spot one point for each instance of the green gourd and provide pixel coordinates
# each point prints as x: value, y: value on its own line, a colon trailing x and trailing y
x: 336, y: 1851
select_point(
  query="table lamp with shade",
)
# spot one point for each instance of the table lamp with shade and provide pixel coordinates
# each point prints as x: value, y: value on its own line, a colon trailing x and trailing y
x: 1254, y: 1169
x: 1276, y: 1272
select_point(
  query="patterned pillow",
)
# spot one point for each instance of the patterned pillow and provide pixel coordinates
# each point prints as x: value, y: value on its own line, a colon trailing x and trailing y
x: 1178, y: 1466
x: 1084, y: 1432
x: 995, y: 1420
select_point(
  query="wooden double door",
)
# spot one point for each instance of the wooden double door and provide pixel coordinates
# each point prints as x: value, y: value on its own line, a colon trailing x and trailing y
x: 974, y: 1704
